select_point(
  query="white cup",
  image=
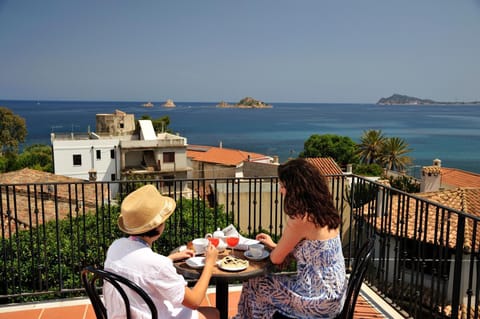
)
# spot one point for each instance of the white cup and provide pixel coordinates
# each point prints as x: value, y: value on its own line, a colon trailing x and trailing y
x: 200, y: 245
x: 256, y: 250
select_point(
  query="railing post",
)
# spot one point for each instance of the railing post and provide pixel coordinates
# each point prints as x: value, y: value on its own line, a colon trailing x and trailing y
x: 457, y: 272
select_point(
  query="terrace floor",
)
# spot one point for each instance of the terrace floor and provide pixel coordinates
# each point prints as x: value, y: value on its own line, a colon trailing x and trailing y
x: 369, y: 306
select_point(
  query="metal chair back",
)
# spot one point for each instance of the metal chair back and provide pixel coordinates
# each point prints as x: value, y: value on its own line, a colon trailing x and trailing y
x: 91, y: 278
x: 359, y: 270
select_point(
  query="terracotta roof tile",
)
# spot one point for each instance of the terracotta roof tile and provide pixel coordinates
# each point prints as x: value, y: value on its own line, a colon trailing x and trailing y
x: 326, y: 165
x: 26, y: 192
x: 220, y: 155
x: 453, y: 177
x: 407, y: 217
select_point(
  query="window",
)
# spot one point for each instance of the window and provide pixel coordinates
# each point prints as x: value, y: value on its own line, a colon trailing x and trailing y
x: 99, y: 154
x: 169, y: 157
x: 122, y: 125
x: 113, y: 177
x: 112, y: 153
x: 77, y: 160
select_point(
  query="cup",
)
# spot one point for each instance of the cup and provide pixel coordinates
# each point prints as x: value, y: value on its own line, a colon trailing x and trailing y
x: 200, y: 245
x: 256, y: 250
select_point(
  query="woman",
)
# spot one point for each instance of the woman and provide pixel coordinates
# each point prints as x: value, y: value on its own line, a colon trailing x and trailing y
x: 312, y: 237
x: 143, y: 216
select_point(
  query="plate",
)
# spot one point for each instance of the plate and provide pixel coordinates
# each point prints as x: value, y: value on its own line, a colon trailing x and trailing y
x: 195, y: 262
x: 230, y: 267
x: 264, y: 255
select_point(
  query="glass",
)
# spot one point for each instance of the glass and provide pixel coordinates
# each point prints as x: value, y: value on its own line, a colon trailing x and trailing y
x: 214, y: 241
x: 232, y: 241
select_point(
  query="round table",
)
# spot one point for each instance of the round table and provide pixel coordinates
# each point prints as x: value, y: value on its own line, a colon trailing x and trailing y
x: 222, y: 278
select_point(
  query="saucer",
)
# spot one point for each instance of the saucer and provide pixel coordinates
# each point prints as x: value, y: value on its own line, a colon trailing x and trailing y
x: 264, y: 255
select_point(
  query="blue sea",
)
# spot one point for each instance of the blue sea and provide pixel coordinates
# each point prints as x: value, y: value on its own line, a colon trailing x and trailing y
x: 447, y: 132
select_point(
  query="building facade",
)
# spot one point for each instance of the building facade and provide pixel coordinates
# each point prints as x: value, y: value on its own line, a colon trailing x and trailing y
x: 120, y: 150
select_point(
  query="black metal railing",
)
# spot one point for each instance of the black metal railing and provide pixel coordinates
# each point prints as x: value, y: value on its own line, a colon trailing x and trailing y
x: 425, y: 262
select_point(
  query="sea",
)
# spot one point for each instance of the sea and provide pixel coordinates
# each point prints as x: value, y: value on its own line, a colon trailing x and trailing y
x: 450, y: 133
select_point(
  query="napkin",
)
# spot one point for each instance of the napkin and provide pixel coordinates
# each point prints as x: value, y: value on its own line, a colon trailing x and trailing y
x: 243, y: 242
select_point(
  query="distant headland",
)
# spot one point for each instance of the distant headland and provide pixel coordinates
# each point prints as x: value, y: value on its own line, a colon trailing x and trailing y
x: 246, y: 103
x: 410, y: 100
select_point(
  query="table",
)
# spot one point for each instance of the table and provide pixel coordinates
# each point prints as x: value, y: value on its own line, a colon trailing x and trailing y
x: 222, y: 278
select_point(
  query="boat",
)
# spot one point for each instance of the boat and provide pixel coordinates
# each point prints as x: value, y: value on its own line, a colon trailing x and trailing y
x: 169, y: 103
x: 148, y: 104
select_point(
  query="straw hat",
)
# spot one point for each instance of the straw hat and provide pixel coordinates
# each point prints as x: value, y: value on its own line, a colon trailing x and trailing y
x: 144, y: 209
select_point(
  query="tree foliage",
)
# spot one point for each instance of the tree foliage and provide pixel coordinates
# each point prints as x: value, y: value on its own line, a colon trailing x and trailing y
x: 394, y: 152
x: 37, y: 157
x: 368, y: 169
x: 13, y: 131
x: 159, y: 124
x: 405, y: 183
x: 341, y: 148
x: 388, y: 152
x: 370, y: 146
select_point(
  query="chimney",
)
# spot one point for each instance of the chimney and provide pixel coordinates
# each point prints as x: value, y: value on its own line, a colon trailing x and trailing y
x: 431, y: 179
x: 349, y: 169
x: 437, y: 162
x: 92, y: 175
x: 221, y: 144
x: 275, y: 159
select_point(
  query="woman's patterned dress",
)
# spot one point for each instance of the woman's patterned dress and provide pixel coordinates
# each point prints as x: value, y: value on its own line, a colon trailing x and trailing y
x: 316, y: 291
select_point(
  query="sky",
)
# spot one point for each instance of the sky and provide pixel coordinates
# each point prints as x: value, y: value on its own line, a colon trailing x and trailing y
x: 319, y: 51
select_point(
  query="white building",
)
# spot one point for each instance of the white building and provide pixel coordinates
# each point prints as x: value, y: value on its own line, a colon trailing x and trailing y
x: 119, y: 151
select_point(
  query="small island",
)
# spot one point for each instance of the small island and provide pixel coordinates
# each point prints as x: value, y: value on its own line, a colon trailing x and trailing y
x: 246, y: 103
x: 148, y: 104
x: 398, y: 99
x: 169, y: 103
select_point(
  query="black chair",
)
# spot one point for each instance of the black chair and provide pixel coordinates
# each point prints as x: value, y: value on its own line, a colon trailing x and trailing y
x: 91, y: 275
x: 359, y: 270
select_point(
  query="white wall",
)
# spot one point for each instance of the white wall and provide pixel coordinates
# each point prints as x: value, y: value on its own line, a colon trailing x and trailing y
x: 105, y: 166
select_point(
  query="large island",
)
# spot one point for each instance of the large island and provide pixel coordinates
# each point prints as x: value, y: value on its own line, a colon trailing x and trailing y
x: 246, y: 103
x: 398, y: 99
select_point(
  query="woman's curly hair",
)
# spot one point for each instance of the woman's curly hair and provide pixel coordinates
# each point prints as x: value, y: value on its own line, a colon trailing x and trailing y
x: 307, y: 193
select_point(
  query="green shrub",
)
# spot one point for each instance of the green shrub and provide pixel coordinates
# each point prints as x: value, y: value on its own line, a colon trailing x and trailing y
x: 44, y: 261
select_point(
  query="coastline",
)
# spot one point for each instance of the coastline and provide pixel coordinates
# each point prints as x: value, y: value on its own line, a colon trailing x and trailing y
x: 432, y: 132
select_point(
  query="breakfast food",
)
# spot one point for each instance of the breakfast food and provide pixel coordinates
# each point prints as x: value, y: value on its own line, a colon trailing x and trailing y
x: 230, y: 262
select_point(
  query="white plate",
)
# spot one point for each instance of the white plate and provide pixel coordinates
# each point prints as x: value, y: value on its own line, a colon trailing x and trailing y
x: 264, y: 255
x: 195, y: 262
x: 238, y: 268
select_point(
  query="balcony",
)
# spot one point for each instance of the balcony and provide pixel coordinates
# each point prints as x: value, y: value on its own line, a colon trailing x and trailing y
x: 426, y: 254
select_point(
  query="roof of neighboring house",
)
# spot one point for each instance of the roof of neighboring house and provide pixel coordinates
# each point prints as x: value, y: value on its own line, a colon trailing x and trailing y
x: 326, y: 165
x: 27, y: 175
x: 27, y: 191
x: 223, y: 156
x: 453, y: 177
x: 464, y: 199
x: 441, y: 224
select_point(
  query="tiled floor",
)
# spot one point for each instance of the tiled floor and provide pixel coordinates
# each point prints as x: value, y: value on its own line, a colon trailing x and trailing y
x: 81, y: 309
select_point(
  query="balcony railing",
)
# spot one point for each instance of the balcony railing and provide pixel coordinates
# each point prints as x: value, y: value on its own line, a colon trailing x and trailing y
x: 426, y: 255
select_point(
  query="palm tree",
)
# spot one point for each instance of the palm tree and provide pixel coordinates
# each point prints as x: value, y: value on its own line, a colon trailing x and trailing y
x: 370, y: 146
x: 393, y: 154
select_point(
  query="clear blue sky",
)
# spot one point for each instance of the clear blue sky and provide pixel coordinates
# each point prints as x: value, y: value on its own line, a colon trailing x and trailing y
x: 210, y: 50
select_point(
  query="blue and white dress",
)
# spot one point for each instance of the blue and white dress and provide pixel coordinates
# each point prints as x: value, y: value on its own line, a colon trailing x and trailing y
x: 316, y: 291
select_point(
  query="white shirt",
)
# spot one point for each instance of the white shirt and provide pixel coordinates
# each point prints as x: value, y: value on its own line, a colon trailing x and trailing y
x: 154, y: 273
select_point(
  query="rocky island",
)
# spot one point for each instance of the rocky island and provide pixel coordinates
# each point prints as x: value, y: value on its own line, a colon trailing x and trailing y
x: 398, y: 99
x: 168, y: 103
x: 246, y: 103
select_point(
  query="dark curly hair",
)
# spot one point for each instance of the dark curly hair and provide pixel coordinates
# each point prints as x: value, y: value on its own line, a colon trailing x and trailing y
x: 307, y: 193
